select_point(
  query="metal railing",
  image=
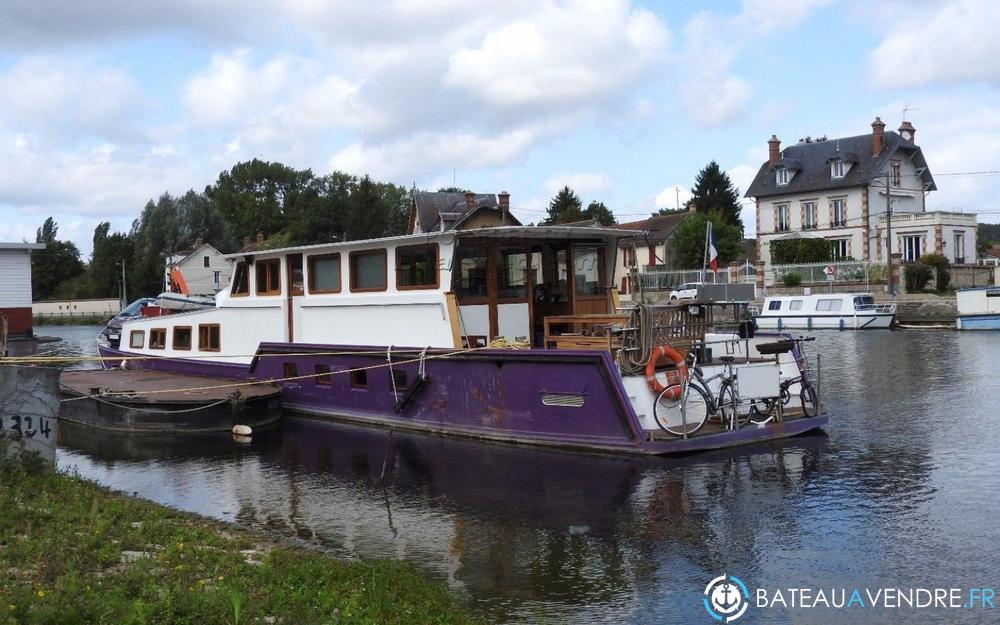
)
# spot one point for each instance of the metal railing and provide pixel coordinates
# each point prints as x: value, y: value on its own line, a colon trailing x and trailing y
x: 816, y: 273
x: 657, y: 278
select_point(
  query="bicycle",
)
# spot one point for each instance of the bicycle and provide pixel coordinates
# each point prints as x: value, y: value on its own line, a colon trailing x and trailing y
x: 696, y: 402
x: 762, y: 413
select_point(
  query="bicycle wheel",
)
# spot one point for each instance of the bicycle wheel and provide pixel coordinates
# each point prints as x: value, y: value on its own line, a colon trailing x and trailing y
x: 760, y: 410
x: 810, y: 401
x: 729, y: 407
x: 681, y: 416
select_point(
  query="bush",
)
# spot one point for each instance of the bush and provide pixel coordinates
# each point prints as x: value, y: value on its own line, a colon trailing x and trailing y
x: 798, y: 251
x: 791, y: 279
x: 917, y: 277
x: 939, y: 264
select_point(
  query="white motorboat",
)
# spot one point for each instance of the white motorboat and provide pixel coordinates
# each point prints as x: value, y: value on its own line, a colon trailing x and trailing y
x: 837, y: 311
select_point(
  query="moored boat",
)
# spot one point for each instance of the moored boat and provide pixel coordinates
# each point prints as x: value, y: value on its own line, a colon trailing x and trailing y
x: 507, y: 333
x: 837, y: 311
x: 978, y: 308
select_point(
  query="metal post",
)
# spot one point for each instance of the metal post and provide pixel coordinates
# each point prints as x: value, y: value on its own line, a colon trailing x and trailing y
x: 888, y: 236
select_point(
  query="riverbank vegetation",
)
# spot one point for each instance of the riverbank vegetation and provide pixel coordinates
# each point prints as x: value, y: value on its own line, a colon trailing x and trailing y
x: 73, y: 552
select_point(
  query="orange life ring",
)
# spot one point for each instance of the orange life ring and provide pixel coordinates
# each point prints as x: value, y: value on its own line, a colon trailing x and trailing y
x: 681, y: 373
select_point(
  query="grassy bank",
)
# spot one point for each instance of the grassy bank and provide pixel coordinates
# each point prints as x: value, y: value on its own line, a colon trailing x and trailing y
x: 73, y: 552
x: 77, y: 320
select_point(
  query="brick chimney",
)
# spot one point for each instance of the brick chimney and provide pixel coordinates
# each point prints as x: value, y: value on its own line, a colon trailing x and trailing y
x: 504, y: 198
x: 907, y: 131
x: 878, y: 136
x: 470, y: 200
x: 773, y: 150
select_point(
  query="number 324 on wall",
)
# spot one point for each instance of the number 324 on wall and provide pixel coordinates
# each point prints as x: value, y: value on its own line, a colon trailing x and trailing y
x: 27, y: 426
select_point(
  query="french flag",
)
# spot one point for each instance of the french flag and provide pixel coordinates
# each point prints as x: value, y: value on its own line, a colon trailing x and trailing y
x: 713, y: 252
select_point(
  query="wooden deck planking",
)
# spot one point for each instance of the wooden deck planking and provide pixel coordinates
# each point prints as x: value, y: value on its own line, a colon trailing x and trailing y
x: 150, y: 386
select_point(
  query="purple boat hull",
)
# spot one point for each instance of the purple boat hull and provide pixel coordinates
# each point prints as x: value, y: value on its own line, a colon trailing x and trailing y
x: 561, y: 398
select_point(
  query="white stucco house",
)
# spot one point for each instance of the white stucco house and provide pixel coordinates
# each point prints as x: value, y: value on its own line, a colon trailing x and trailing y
x: 841, y: 190
x: 204, y: 269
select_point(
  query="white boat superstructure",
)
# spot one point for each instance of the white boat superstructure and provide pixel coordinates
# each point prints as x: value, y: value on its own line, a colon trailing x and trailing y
x: 978, y: 309
x: 836, y: 311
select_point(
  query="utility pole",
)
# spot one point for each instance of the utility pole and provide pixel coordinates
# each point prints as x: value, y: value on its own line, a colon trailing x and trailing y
x: 124, y: 295
x: 888, y: 236
x: 677, y: 197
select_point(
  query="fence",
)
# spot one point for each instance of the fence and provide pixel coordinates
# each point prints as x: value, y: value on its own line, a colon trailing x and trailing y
x: 659, y: 278
x: 961, y: 276
x: 815, y: 273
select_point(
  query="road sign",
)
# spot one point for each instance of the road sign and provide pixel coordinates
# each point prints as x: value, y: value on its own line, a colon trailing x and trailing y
x: 830, y: 271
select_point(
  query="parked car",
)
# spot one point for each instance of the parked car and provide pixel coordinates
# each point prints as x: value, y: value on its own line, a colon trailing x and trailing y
x: 688, y: 290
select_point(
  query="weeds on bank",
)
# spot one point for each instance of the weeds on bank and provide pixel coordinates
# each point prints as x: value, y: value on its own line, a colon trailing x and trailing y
x: 72, y: 552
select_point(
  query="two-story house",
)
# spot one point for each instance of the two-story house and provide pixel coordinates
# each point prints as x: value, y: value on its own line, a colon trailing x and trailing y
x: 843, y: 189
x: 202, y: 268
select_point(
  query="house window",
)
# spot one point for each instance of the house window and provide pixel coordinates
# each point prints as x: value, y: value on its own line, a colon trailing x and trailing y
x: 268, y: 277
x: 795, y: 304
x: 839, y: 218
x: 182, y: 338
x: 781, y: 175
x: 809, y: 215
x: 208, y: 261
x: 324, y: 273
x: 781, y: 218
x: 158, y: 338
x: 136, y: 339
x: 897, y: 174
x: 209, y: 337
x: 368, y: 270
x: 417, y: 267
x: 216, y: 277
x: 959, y: 249
x: 774, y: 305
x: 911, y: 248
x: 323, y: 377
x: 512, y: 283
x: 840, y: 248
x: 241, y: 279
x: 838, y: 169
x: 828, y: 305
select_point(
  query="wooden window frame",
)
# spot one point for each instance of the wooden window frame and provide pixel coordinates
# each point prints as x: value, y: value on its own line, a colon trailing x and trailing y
x: 232, y: 287
x: 156, y: 332
x: 456, y: 272
x: 131, y: 339
x: 173, y: 339
x: 324, y: 377
x: 267, y: 262
x: 436, y: 268
x: 309, y: 277
x: 385, y: 270
x: 209, y: 326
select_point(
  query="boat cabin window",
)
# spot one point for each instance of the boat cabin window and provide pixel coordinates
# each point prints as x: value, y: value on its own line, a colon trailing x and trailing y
x: 137, y: 339
x: 158, y: 338
x: 992, y: 292
x: 268, y: 277
x: 417, y: 266
x: 323, y: 375
x: 182, y: 338
x: 470, y: 272
x: 359, y: 378
x: 589, y: 271
x: 512, y: 283
x: 324, y: 273
x: 209, y: 337
x: 828, y: 305
x: 795, y: 304
x: 398, y: 380
x: 864, y: 301
x: 368, y: 270
x: 241, y: 279
x: 774, y: 305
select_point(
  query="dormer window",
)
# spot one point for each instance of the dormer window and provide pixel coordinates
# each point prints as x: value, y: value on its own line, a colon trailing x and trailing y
x: 782, y: 176
x: 838, y: 169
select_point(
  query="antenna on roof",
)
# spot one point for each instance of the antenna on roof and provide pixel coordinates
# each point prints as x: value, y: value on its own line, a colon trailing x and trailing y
x: 907, y: 109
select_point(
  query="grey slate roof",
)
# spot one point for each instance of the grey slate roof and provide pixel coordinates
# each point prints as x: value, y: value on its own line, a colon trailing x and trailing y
x: 434, y: 208
x: 812, y: 161
x: 658, y: 228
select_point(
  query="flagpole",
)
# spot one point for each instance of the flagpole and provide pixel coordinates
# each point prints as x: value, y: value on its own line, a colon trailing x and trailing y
x: 704, y: 257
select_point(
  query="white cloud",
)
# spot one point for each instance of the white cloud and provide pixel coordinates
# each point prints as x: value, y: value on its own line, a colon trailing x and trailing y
x: 947, y: 42
x: 584, y: 184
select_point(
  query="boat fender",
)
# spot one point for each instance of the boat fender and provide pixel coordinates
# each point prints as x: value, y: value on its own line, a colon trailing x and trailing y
x: 665, y: 351
x: 242, y: 430
x: 242, y: 440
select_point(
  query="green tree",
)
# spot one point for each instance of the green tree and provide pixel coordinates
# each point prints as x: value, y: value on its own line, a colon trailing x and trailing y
x: 799, y: 251
x: 564, y: 207
x: 202, y: 220
x: 689, y: 239
x: 600, y: 212
x: 368, y: 215
x: 159, y: 231
x: 258, y: 196
x: 105, y: 268
x: 713, y: 190
x: 58, y: 262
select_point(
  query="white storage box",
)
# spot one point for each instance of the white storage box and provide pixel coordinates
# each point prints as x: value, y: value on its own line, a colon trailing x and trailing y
x: 758, y: 381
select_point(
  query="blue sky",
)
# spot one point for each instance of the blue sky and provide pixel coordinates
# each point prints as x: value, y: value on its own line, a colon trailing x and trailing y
x: 103, y: 107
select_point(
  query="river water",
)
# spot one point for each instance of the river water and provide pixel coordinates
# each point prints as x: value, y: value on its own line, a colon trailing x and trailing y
x: 900, y: 491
